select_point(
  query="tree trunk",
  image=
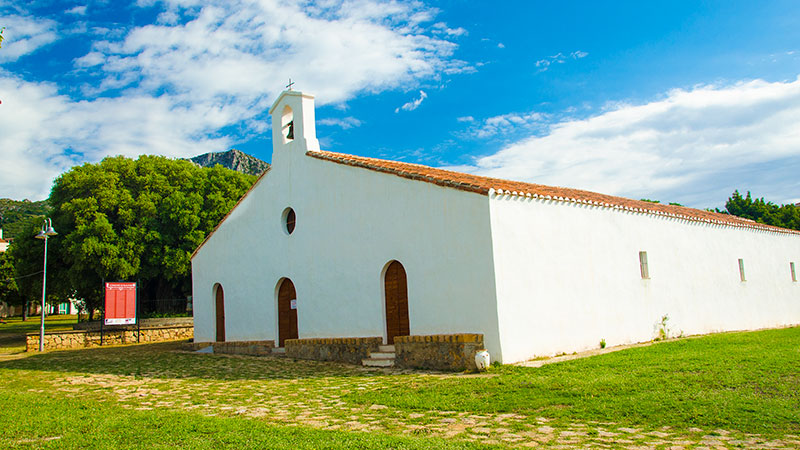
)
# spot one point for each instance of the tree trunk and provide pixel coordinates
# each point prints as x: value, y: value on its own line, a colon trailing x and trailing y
x: 25, y: 311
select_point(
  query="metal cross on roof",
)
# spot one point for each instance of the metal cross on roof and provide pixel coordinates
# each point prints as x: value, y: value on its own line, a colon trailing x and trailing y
x: 291, y: 83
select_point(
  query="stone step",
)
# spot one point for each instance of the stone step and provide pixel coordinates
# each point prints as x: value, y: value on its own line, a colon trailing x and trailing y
x: 386, y: 348
x: 382, y: 355
x: 369, y: 362
x: 279, y: 350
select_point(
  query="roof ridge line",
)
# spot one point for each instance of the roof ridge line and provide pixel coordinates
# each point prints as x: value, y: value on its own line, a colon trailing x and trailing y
x: 487, y: 185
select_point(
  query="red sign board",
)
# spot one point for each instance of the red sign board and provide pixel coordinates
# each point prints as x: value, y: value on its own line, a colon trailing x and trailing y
x: 120, y: 303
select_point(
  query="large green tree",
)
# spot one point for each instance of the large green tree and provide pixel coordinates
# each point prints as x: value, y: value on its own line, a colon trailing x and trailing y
x: 762, y: 211
x: 125, y: 219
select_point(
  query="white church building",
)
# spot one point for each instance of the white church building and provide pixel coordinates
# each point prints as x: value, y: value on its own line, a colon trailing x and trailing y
x: 329, y: 246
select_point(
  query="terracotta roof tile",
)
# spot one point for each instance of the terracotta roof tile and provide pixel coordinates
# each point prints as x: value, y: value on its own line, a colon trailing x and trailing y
x: 484, y: 185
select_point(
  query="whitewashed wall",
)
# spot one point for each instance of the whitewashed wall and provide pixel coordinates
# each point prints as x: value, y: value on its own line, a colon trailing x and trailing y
x: 568, y: 276
x: 351, y: 222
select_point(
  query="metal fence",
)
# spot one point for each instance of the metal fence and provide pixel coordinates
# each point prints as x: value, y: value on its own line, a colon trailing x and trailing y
x: 165, y: 307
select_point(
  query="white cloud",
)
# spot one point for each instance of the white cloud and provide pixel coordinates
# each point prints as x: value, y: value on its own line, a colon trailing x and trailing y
x: 77, y: 10
x: 504, y: 124
x: 413, y: 104
x: 249, y: 48
x: 24, y: 35
x: 559, y: 58
x: 43, y: 133
x: 344, y: 123
x: 441, y: 27
x: 168, y: 88
x: 693, y: 146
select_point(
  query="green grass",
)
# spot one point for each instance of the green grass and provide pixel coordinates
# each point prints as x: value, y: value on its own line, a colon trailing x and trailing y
x: 12, y: 333
x: 728, y: 386
x: 744, y: 381
x: 51, y: 422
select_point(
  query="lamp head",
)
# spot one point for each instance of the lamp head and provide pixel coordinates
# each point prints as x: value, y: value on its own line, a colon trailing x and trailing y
x: 47, y: 230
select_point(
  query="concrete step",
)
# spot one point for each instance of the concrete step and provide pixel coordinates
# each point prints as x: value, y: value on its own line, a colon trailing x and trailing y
x: 386, y: 348
x: 369, y: 362
x: 382, y: 355
x: 279, y: 350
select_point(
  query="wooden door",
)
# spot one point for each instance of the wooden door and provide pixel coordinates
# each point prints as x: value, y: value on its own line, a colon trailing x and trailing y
x: 287, y: 312
x: 396, y: 291
x: 220, y: 303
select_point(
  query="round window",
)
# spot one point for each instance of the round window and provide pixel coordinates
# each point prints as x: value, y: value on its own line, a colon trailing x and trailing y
x: 289, y: 220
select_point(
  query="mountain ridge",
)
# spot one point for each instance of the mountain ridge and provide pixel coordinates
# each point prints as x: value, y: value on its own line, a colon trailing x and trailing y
x: 232, y: 159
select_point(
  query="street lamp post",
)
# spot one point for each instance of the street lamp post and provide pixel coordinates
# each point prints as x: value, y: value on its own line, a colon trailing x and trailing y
x: 47, y: 231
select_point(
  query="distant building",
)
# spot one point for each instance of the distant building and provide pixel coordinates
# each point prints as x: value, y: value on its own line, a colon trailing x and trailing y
x: 3, y: 243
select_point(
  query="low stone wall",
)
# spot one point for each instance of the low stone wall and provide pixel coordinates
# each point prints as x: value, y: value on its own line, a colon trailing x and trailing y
x: 438, y: 352
x: 143, y: 323
x: 255, y: 348
x: 349, y: 350
x: 113, y: 336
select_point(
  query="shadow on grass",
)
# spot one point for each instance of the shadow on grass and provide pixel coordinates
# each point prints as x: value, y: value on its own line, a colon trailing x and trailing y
x: 168, y: 360
x: 15, y: 325
x: 12, y: 340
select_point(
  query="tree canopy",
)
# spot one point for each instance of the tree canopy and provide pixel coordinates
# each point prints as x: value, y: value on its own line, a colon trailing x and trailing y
x: 137, y: 220
x: 762, y: 211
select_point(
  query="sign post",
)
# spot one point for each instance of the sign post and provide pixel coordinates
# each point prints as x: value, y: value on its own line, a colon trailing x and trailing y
x: 120, y: 305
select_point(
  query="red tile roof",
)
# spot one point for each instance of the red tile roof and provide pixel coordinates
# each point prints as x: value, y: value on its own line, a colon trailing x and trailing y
x: 486, y: 185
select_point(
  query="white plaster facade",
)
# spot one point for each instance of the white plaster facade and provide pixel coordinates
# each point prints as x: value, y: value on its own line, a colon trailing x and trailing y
x: 536, y: 276
x: 568, y: 275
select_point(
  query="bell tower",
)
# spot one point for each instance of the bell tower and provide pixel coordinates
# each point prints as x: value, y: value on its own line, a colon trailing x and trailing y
x: 293, y: 122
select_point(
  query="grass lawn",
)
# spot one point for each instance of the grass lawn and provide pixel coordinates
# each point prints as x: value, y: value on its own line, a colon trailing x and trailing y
x: 728, y: 390
x: 12, y: 333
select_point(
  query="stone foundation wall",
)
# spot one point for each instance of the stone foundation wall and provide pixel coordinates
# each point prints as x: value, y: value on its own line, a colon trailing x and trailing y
x: 255, y: 348
x: 144, y: 323
x: 82, y: 338
x: 438, y: 352
x: 349, y: 350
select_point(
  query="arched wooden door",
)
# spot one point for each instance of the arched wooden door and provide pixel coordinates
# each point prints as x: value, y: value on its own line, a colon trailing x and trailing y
x: 220, y: 314
x: 287, y: 312
x: 396, y: 292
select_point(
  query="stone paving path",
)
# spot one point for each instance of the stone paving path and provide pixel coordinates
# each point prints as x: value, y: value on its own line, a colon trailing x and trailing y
x: 318, y: 403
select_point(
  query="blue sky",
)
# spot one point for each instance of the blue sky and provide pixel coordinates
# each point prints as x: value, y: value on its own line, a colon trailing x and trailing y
x: 679, y: 101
